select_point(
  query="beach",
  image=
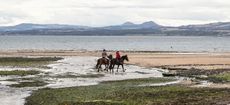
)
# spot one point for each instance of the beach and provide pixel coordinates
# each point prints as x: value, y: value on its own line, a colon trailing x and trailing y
x: 212, y: 60
x: 69, y: 69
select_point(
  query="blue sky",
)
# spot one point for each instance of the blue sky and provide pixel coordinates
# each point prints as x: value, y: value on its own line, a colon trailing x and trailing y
x: 112, y: 12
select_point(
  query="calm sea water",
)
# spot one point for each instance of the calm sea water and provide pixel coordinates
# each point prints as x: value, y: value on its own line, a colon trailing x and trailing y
x: 144, y: 43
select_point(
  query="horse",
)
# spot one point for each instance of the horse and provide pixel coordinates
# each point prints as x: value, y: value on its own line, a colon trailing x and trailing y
x: 102, y: 61
x: 114, y: 62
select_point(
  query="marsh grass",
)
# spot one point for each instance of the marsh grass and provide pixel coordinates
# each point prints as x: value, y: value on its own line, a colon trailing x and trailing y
x: 36, y: 83
x: 127, y: 92
x: 27, y: 62
x: 95, y: 102
x: 19, y: 72
x: 27, y: 82
x: 223, y: 78
x: 128, y: 96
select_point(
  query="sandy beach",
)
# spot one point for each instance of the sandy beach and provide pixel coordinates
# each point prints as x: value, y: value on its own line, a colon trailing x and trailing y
x: 205, y: 60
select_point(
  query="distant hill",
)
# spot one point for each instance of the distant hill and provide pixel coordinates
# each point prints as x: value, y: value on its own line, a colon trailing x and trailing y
x: 210, y: 26
x: 30, y: 26
x: 132, y: 26
x: 127, y: 28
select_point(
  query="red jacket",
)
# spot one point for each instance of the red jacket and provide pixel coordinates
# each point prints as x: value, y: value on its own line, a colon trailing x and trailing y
x: 118, y: 56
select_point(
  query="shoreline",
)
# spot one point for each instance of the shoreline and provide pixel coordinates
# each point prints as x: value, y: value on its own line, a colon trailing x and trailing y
x: 140, y: 58
x: 182, y: 64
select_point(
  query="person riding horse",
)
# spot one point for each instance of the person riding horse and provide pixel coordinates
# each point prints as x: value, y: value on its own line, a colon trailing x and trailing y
x: 119, y: 60
x: 103, y: 61
x: 110, y: 62
x: 104, y: 54
x: 118, y: 56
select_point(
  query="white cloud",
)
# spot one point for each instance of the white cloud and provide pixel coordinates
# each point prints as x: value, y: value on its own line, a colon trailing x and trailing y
x: 106, y: 12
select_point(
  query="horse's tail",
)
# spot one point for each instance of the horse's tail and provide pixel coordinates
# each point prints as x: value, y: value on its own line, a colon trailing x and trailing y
x: 97, y: 64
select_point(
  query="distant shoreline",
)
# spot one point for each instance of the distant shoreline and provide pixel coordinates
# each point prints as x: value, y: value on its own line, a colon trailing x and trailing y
x: 96, y: 52
x: 141, y: 58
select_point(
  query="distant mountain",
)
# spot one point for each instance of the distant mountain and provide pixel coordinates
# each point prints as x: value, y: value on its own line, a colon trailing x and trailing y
x: 130, y: 25
x: 30, y: 26
x: 149, y: 24
x: 127, y: 28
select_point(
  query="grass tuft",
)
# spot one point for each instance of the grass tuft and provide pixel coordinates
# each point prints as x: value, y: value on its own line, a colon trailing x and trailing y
x: 27, y: 62
x: 19, y: 72
x: 29, y: 84
x: 223, y: 77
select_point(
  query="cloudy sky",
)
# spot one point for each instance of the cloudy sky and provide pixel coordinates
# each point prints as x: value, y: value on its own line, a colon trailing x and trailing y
x: 111, y: 12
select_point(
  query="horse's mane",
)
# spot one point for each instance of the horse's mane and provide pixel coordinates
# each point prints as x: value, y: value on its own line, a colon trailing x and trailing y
x: 123, y: 56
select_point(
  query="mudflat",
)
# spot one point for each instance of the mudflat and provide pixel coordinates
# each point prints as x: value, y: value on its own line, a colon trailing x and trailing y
x: 195, y: 60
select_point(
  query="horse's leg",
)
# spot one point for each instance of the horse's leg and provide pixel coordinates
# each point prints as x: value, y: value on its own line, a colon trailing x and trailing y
x: 117, y: 67
x: 112, y: 67
x: 123, y: 68
x: 106, y: 67
x: 97, y: 64
x: 99, y: 67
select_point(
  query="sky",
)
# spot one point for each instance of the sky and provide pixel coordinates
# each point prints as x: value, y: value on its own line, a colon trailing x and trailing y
x: 113, y: 12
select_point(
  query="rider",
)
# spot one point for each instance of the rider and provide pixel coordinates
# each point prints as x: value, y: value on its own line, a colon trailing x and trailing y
x: 118, y: 56
x: 104, y: 54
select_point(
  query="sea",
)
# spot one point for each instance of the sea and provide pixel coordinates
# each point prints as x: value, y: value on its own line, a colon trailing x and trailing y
x: 128, y: 43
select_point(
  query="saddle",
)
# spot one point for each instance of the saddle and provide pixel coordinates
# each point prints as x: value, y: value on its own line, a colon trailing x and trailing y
x: 104, y: 58
x: 119, y: 61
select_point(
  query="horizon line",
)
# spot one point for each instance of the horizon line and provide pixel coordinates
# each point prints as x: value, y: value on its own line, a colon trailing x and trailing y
x: 113, y: 24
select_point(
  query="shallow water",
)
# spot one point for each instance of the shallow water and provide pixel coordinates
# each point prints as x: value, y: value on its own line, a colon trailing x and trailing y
x: 133, y: 43
x: 73, y: 66
x: 85, y: 65
x: 13, y: 96
x: 164, y: 84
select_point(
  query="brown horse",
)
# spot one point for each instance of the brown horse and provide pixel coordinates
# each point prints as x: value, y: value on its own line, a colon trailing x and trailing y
x: 102, y: 61
x: 114, y: 62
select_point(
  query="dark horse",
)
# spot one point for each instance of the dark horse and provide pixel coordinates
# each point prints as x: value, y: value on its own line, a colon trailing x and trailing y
x: 102, y: 61
x: 114, y: 62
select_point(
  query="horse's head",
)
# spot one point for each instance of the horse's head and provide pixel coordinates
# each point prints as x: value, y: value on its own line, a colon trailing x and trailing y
x: 125, y: 57
x: 110, y: 56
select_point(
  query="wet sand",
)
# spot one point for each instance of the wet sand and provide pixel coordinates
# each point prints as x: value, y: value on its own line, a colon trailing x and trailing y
x: 145, y: 59
x: 182, y: 60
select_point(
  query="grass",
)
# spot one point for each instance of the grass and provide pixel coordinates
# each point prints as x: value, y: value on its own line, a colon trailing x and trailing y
x: 128, y: 93
x: 223, y: 77
x: 27, y: 82
x: 36, y: 83
x: 27, y: 62
x: 19, y: 72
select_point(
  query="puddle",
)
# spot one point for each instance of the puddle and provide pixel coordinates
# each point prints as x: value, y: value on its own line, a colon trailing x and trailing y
x: 165, y: 83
